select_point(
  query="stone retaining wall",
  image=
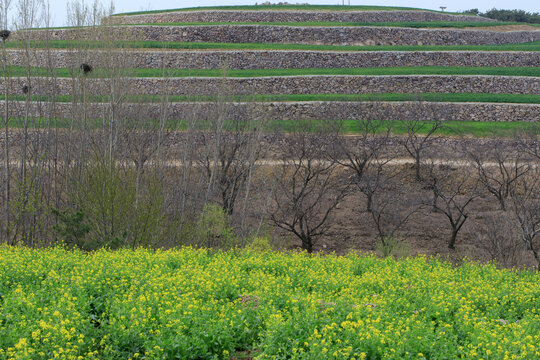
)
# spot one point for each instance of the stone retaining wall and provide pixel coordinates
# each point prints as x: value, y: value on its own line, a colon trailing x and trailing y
x: 293, y: 85
x: 248, y: 59
x: 291, y: 16
x: 302, y: 110
x: 359, y: 35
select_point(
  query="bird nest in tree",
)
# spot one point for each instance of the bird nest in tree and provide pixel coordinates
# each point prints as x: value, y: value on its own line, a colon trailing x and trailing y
x: 4, y: 34
x: 86, y: 68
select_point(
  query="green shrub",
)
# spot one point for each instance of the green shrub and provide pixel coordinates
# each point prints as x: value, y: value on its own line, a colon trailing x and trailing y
x: 260, y: 244
x: 71, y: 227
x: 393, y: 246
x: 119, y: 213
x: 213, y: 228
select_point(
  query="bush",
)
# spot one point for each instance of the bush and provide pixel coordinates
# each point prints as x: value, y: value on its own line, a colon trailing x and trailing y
x: 507, y: 15
x: 213, y: 228
x: 71, y: 227
x: 260, y: 244
x: 117, y: 212
x: 393, y: 246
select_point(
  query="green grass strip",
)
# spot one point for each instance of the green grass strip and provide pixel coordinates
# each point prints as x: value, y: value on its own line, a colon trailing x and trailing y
x: 67, y: 44
x: 429, y: 97
x: 403, y: 24
x: 282, y: 7
x: 451, y: 128
x: 477, y: 129
x: 19, y: 71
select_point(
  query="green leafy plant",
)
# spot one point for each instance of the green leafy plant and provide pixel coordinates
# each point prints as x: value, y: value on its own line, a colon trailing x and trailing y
x: 259, y: 244
x: 71, y: 226
x: 213, y: 228
x: 393, y: 246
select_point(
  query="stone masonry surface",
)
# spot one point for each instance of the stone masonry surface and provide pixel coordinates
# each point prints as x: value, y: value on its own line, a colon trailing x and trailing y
x: 277, y: 59
x: 359, y: 35
x: 298, y: 110
x: 326, y: 84
x: 291, y: 16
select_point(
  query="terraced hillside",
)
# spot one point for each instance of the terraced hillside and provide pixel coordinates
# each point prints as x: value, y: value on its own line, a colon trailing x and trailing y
x: 296, y: 62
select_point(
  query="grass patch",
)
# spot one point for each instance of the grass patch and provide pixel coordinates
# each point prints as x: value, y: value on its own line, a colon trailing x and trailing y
x: 473, y: 129
x: 281, y: 7
x: 477, y: 129
x: 429, y: 97
x: 20, y: 71
x: 67, y: 44
x: 403, y: 24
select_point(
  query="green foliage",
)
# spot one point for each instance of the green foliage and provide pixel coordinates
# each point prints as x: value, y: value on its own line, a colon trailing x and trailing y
x: 28, y: 206
x: 433, y: 97
x: 404, y: 70
x: 276, y: 7
x: 213, y: 229
x: 474, y: 12
x: 259, y: 244
x: 71, y: 226
x: 118, y: 213
x: 393, y: 246
x: 513, y: 15
x: 198, y: 304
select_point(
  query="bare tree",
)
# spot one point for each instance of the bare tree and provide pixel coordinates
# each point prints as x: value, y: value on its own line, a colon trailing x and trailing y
x: 308, y: 188
x: 29, y: 200
x: 231, y: 146
x: 4, y: 7
x: 501, y: 238
x: 392, y: 208
x: 420, y: 136
x: 526, y: 208
x: 529, y: 141
x: 499, y: 169
x: 365, y: 154
x: 454, y: 190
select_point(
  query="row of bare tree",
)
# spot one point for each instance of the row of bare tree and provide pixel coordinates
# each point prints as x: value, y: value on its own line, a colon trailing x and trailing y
x: 131, y: 178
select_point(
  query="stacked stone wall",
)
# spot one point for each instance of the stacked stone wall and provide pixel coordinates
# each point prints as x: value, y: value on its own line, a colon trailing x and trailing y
x: 277, y: 59
x: 348, y: 35
x: 300, y: 110
x: 292, y: 16
x: 292, y: 85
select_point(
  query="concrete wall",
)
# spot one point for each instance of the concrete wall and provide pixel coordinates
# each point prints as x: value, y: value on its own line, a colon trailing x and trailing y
x: 293, y: 85
x: 291, y: 16
x: 276, y: 59
x: 354, y: 35
x: 303, y: 110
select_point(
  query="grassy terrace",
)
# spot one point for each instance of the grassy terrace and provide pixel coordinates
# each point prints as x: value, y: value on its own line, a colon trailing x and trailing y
x: 404, y: 24
x: 451, y: 128
x: 430, y: 97
x: 19, y: 71
x: 282, y: 7
x: 66, y: 44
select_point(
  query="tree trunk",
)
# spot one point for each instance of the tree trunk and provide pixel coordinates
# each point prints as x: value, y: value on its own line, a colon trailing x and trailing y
x: 307, y: 244
x: 452, y: 242
x: 417, y: 167
x: 369, y: 205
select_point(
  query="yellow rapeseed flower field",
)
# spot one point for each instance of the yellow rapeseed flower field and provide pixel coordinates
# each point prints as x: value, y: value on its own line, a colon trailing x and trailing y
x: 202, y: 304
